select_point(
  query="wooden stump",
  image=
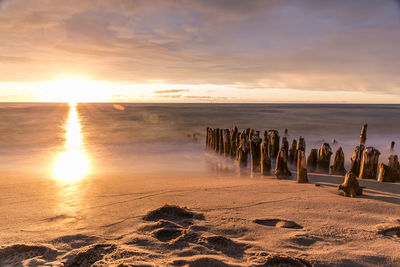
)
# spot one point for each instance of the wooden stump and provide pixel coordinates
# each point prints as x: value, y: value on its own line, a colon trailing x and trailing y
x: 273, y: 141
x: 356, y: 160
x: 392, y: 146
x: 324, y: 158
x: 312, y: 160
x: 221, y: 141
x: 363, y: 136
x: 301, y: 145
x: 285, y: 146
x: 265, y: 158
x: 242, y: 150
x: 338, y: 164
x: 233, y: 142
x: 216, y: 140
x: 301, y: 168
x: 227, y: 142
x: 369, y: 163
x: 390, y: 173
x: 255, y: 152
x: 282, y: 170
x: 350, y: 186
x: 292, y: 152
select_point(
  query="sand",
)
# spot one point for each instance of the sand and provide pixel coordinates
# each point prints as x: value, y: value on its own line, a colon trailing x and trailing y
x: 210, y: 220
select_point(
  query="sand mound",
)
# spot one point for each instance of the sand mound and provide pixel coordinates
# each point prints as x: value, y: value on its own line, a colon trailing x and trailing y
x: 15, y: 254
x: 283, y: 261
x: 172, y: 213
x: 278, y: 223
x: 91, y: 255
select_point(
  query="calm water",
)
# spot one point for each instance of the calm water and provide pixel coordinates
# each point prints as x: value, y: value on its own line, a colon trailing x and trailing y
x: 142, y: 138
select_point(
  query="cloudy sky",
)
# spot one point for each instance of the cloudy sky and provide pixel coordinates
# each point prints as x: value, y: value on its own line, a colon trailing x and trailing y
x: 200, y: 50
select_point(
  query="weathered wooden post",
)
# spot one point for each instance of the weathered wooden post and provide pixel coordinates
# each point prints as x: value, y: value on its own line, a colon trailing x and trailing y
x: 285, y: 146
x: 392, y: 147
x: 324, y: 158
x: 356, y: 160
x: 286, y: 132
x: 216, y: 139
x: 221, y: 141
x: 292, y: 152
x: 242, y: 150
x: 255, y: 152
x: 301, y: 168
x: 207, y: 135
x: 369, y: 163
x: 391, y: 172
x: 227, y: 142
x: 301, y: 145
x: 281, y: 169
x: 338, y: 164
x: 233, y: 142
x: 350, y: 186
x: 363, y: 136
x: 312, y: 160
x: 273, y: 141
x: 265, y: 157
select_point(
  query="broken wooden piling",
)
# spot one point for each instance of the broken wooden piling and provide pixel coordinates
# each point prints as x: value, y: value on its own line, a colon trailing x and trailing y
x: 391, y: 172
x: 350, y: 186
x: 255, y: 152
x: 273, y: 141
x: 369, y: 163
x: 338, y: 163
x: 292, y: 152
x: 324, y: 158
x: 312, y: 160
x: 281, y: 169
x: 301, y: 168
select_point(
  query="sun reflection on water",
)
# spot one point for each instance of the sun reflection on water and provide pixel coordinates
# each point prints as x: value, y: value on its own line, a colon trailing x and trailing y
x: 72, y: 164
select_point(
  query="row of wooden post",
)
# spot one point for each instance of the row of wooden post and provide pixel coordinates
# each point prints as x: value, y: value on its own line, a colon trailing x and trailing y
x: 263, y: 151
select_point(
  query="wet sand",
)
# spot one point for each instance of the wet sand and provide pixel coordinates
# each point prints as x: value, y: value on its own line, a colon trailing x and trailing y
x: 232, y: 221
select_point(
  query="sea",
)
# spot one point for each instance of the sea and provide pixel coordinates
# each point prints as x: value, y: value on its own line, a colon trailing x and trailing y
x: 124, y: 138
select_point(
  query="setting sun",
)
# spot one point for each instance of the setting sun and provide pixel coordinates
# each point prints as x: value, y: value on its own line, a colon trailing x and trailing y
x: 74, y: 90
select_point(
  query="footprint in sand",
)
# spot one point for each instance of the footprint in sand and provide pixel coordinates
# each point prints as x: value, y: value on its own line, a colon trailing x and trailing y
x: 278, y: 223
x: 391, y: 231
x: 305, y: 240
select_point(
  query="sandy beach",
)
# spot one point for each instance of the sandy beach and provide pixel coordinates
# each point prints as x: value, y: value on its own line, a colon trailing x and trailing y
x: 225, y: 220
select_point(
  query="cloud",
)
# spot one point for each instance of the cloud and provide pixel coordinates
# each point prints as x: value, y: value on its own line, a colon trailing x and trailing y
x: 296, y: 44
x: 171, y: 91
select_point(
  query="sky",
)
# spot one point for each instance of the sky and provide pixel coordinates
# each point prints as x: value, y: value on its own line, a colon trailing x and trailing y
x: 325, y: 51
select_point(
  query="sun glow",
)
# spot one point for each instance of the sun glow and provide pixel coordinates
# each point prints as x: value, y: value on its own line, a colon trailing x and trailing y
x: 74, y: 90
x: 72, y: 164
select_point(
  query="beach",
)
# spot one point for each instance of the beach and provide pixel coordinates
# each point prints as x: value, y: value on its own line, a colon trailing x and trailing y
x: 239, y: 221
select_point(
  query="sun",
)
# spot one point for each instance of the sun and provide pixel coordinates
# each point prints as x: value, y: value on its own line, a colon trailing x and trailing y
x: 73, y: 90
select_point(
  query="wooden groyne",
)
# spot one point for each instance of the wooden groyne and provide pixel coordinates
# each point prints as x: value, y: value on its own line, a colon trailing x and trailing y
x: 268, y: 155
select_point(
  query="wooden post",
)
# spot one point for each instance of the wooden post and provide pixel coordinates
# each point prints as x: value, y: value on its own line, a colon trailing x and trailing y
x: 301, y: 146
x: 292, y: 152
x: 392, y: 146
x: 312, y: 160
x: 282, y: 170
x: 324, y: 158
x: 255, y: 152
x: 221, y: 141
x: 242, y: 150
x: 233, y: 142
x: 216, y: 139
x: 390, y: 173
x: 363, y: 136
x: 207, y: 134
x: 285, y: 146
x: 369, y: 163
x: 301, y: 168
x: 265, y: 157
x: 356, y: 160
x: 350, y: 186
x: 227, y: 142
x: 273, y: 141
x: 338, y: 164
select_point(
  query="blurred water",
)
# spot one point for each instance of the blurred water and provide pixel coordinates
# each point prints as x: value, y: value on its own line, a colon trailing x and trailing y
x: 159, y: 137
